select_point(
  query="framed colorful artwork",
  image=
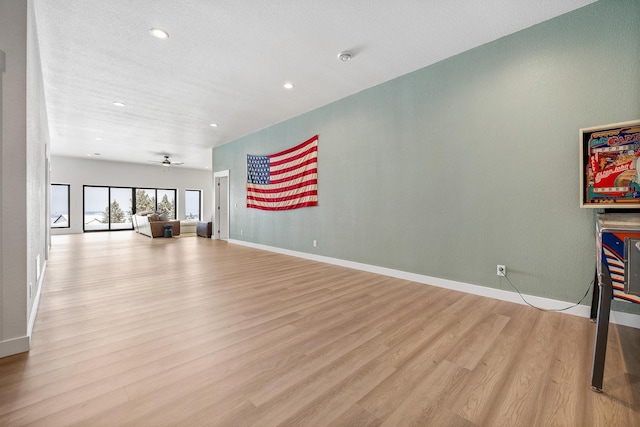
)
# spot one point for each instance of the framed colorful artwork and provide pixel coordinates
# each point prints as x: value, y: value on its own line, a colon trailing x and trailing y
x: 609, y: 165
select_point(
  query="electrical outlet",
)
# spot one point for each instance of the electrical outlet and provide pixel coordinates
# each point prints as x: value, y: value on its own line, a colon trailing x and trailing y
x: 315, y: 244
x: 501, y: 270
x: 241, y: 232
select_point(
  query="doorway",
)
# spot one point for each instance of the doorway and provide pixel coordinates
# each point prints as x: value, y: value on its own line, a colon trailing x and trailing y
x: 221, y: 205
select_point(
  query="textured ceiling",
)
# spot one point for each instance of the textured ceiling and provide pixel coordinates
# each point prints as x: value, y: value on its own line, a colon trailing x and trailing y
x: 226, y: 62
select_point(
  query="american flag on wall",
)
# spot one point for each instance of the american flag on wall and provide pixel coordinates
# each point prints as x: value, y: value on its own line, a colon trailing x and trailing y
x: 285, y: 180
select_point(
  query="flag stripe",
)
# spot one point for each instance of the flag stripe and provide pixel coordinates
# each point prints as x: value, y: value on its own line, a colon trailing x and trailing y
x: 302, y: 153
x: 302, y: 163
x: 265, y: 189
x: 292, y: 204
x: 285, y: 170
x: 296, y: 148
x: 269, y: 194
x: 285, y: 180
x: 282, y: 198
x: 294, y: 175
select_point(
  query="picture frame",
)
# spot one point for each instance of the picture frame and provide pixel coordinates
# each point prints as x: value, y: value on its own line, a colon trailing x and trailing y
x: 610, y: 166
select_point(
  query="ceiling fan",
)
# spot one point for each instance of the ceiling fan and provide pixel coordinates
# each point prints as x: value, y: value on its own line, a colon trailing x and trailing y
x: 166, y: 162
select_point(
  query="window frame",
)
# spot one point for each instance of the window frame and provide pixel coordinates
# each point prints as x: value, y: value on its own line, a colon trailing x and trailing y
x: 108, y: 187
x: 175, y: 201
x: 199, y: 204
x: 134, y: 207
x: 68, y: 205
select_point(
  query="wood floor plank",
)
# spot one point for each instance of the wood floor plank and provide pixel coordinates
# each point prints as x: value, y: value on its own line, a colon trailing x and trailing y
x: 476, y: 401
x: 356, y: 416
x: 528, y: 376
x: 618, y: 403
x: 338, y: 399
x: 290, y: 401
x: 425, y: 405
x: 295, y: 373
x: 417, y: 356
x: 188, y: 331
x: 566, y: 382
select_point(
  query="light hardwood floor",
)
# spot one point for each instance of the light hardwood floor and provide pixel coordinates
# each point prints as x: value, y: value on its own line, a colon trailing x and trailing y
x: 191, y: 331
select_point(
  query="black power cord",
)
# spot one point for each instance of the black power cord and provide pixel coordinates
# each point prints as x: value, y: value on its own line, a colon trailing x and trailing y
x: 549, y: 309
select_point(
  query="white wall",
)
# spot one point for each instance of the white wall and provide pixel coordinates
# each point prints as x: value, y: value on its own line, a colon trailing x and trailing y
x: 37, y: 176
x: 23, y: 231
x: 13, y: 41
x: 78, y: 172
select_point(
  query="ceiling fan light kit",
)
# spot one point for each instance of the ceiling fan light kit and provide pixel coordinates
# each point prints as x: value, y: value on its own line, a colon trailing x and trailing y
x: 166, y: 162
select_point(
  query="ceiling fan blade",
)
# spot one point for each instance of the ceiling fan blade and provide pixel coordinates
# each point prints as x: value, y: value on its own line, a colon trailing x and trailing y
x: 166, y: 162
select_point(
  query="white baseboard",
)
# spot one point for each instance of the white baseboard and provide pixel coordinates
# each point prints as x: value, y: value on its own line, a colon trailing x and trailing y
x: 14, y: 346
x: 626, y: 319
x: 22, y: 344
x: 36, y: 301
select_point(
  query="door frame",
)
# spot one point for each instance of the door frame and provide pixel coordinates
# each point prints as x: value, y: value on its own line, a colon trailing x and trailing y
x: 216, y: 212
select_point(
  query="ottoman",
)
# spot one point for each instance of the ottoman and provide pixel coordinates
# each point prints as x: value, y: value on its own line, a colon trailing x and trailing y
x: 203, y: 229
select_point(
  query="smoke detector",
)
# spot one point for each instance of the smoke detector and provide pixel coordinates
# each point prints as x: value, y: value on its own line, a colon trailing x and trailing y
x: 345, y: 56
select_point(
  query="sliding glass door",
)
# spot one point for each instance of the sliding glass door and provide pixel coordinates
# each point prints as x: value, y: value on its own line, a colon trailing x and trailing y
x: 96, y: 208
x: 107, y: 208
x: 111, y: 208
x: 120, y: 208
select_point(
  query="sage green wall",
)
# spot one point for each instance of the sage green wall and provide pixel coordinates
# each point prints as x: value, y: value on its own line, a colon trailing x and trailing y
x: 465, y: 164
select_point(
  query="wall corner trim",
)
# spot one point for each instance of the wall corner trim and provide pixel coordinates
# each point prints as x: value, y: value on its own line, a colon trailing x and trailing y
x: 36, y: 300
x: 625, y: 319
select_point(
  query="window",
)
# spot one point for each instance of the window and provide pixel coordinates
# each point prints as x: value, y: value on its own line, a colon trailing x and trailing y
x: 145, y: 200
x: 111, y: 208
x: 156, y: 200
x: 107, y: 208
x: 60, y: 206
x: 167, y: 202
x: 193, y: 204
x: 96, y: 208
x: 120, y: 208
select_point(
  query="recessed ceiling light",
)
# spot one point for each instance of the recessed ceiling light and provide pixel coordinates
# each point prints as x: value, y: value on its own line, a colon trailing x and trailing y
x: 159, y: 33
x: 288, y: 85
x: 214, y: 125
x: 118, y: 104
x: 345, y: 56
x: 98, y: 139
